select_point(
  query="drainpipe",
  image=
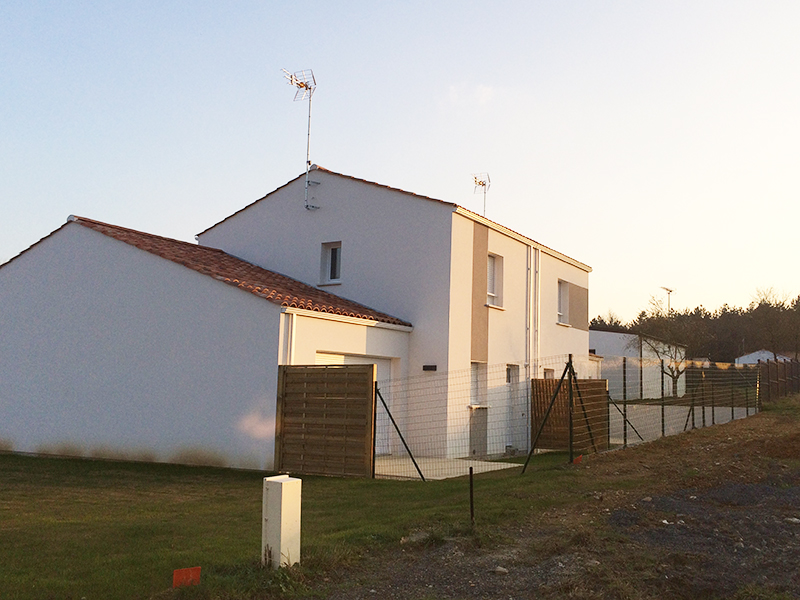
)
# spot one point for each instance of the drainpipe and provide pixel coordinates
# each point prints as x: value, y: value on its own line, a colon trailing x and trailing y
x: 536, y: 308
x: 532, y: 322
x: 528, y: 367
x: 292, y: 328
x: 528, y: 316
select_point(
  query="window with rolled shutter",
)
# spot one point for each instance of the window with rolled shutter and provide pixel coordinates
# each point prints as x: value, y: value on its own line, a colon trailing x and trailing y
x: 494, y: 280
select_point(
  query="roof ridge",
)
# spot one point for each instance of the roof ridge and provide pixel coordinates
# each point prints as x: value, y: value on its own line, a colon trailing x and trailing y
x: 470, y: 214
x: 324, y: 170
x: 385, y: 186
x: 82, y: 220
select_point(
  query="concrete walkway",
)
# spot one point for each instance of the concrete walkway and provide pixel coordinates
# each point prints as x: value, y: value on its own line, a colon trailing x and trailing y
x: 401, y: 467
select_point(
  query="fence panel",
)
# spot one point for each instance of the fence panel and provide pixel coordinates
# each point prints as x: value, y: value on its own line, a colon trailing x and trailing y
x: 777, y: 378
x: 486, y: 417
x: 590, y: 419
x: 326, y: 420
x: 451, y: 421
x: 589, y: 422
x: 696, y: 394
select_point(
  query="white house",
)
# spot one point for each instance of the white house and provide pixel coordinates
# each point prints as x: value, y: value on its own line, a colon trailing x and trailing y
x: 115, y: 342
x: 760, y: 355
x: 639, y: 375
x: 476, y: 292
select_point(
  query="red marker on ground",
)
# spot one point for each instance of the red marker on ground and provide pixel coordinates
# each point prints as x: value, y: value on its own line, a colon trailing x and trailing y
x: 190, y: 576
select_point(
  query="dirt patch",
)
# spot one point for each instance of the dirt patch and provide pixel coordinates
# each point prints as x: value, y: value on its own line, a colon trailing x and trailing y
x: 713, y: 541
x: 716, y: 515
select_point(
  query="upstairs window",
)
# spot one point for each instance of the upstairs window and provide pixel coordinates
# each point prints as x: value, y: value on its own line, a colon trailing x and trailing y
x: 331, y: 263
x: 563, y: 302
x: 478, y: 384
x: 573, y: 305
x: 494, y: 280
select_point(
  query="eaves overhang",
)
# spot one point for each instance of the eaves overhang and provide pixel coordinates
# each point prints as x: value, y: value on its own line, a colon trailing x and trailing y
x: 315, y: 314
x: 520, y: 238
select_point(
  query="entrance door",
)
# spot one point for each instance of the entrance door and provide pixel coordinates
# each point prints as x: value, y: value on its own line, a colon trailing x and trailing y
x: 478, y: 431
x: 383, y: 373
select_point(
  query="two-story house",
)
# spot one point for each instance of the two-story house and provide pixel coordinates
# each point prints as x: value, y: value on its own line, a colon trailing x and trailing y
x: 475, y: 291
x: 120, y: 343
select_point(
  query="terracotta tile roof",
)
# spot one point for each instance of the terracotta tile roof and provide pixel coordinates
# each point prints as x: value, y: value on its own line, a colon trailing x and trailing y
x: 277, y: 288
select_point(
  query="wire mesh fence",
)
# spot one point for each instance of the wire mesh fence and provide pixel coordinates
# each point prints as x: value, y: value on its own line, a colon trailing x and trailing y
x: 490, y: 417
x: 451, y: 421
x: 649, y: 398
x: 570, y: 414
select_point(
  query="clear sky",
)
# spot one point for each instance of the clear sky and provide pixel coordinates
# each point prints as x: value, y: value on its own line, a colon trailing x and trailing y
x: 658, y: 142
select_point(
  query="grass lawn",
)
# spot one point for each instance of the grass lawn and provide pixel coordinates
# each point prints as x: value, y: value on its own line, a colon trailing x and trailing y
x: 94, y: 529
x: 76, y: 528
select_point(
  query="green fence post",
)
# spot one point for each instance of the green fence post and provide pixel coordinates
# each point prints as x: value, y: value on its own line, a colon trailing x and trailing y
x: 713, y: 406
x: 624, y: 402
x: 571, y: 430
x: 663, y: 429
x: 703, y: 398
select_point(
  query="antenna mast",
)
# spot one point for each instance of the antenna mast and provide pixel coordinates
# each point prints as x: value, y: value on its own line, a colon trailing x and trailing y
x: 306, y: 84
x: 669, y: 293
x: 482, y: 181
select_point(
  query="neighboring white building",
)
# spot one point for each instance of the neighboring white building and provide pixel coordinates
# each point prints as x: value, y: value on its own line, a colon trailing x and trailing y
x: 760, y: 355
x: 117, y: 342
x: 640, y: 374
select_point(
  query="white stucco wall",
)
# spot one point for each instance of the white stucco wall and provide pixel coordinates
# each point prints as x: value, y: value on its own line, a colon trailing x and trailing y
x: 459, y: 296
x: 411, y: 257
x: 507, y: 325
x: 315, y: 333
x: 317, y: 338
x: 613, y: 346
x: 107, y: 350
x: 612, y: 343
x: 395, y: 250
x: 507, y: 339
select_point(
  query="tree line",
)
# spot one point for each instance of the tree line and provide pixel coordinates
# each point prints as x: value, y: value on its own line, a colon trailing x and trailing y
x: 771, y: 322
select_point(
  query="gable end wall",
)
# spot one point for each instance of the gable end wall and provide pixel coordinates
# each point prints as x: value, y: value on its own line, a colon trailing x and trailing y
x: 106, y: 348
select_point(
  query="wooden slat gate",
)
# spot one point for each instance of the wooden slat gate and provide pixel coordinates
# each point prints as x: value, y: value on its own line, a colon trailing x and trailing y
x: 590, y: 415
x: 326, y: 420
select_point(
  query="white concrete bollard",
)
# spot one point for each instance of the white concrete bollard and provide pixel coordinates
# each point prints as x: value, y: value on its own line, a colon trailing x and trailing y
x: 280, y: 521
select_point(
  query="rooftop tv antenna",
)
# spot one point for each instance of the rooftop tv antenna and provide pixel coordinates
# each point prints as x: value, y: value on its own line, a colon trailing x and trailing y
x: 669, y: 293
x: 306, y: 84
x: 483, y: 182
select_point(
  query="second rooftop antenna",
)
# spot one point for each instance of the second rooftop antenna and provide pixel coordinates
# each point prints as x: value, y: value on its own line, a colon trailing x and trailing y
x: 306, y: 84
x: 669, y: 293
x: 482, y: 181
